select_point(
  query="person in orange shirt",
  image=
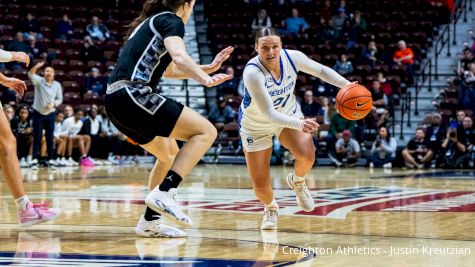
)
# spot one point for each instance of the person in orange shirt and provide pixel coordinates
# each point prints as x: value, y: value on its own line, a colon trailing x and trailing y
x: 405, y: 56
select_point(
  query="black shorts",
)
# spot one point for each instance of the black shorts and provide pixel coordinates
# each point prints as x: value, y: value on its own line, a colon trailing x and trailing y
x: 140, y: 113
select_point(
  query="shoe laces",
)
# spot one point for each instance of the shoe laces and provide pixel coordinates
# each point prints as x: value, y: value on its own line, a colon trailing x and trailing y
x: 301, y: 187
x: 43, y: 205
x: 270, y: 216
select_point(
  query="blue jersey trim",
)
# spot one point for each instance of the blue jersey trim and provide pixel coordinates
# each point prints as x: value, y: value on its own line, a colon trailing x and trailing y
x: 291, y: 62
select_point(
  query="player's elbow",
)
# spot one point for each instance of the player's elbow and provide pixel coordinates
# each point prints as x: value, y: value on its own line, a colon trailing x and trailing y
x: 179, y: 58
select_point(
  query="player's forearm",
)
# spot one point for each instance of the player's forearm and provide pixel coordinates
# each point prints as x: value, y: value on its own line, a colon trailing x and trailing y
x: 6, y: 56
x: 186, y: 65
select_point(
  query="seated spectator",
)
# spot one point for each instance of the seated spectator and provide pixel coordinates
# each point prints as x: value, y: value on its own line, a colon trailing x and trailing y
x: 310, y: 108
x: 68, y: 111
x: 9, y: 112
x: 343, y: 66
x: 467, y: 137
x: 73, y: 126
x: 380, y: 100
x: 61, y: 139
x: 459, y: 120
x: 18, y: 45
x: 418, y: 152
x: 110, y: 137
x: 38, y: 51
x: 326, y: 10
x: 339, y: 18
x: 435, y: 134
x: 89, y: 50
x: 467, y: 88
x: 383, y: 150
x: 91, y: 127
x: 30, y: 26
x: 22, y: 128
x: 370, y: 54
x: 452, y: 150
x: 405, y: 56
x: 330, y: 32
x: 97, y: 31
x: 64, y: 28
x: 221, y: 114
x: 262, y: 20
x: 347, y: 151
x: 95, y: 83
x: 464, y: 63
x: 337, y: 125
x: 229, y: 87
x: 294, y: 25
x: 359, y: 24
x: 385, y: 85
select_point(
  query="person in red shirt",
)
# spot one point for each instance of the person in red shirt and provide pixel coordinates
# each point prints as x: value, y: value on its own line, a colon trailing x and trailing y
x: 405, y: 56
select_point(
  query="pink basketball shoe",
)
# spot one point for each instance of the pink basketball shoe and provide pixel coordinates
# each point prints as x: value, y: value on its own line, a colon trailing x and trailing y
x: 86, y: 162
x: 37, y: 213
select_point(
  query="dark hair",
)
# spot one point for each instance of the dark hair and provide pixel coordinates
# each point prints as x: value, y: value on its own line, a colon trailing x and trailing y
x: 388, y: 135
x: 421, y: 128
x: 266, y: 31
x: 152, y: 7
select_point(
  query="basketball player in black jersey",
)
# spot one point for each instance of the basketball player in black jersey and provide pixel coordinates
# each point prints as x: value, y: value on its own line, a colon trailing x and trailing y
x: 154, y: 48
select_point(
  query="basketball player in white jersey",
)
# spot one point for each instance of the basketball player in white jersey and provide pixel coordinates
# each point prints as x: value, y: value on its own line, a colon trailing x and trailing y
x: 269, y: 109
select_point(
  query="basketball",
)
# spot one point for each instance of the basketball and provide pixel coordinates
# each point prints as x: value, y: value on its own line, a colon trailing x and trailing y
x: 354, y: 102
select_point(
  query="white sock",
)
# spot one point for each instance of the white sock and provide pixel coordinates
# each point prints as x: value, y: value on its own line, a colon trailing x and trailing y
x: 298, y: 179
x: 28, y: 158
x: 22, y: 202
x: 272, y: 206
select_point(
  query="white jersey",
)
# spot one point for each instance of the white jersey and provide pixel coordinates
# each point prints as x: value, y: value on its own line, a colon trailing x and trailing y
x: 281, y: 92
x: 271, y: 103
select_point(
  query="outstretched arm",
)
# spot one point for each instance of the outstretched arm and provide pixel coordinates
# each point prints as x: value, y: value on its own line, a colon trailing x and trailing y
x: 18, y: 85
x: 309, y: 66
x: 6, y: 56
x: 176, y: 48
x: 176, y: 73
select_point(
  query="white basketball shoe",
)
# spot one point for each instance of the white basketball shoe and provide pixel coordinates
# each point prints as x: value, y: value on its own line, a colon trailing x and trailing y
x: 157, y: 228
x: 165, y: 204
x: 303, y: 195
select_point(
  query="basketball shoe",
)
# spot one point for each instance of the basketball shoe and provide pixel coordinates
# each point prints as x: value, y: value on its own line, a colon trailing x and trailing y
x: 157, y: 228
x: 303, y: 195
x: 37, y: 213
x: 164, y: 203
x: 269, y: 221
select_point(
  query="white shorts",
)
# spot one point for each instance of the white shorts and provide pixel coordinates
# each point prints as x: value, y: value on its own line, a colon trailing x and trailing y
x: 254, y: 141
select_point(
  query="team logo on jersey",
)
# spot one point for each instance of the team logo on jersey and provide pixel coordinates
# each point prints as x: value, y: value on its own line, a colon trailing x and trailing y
x: 334, y: 203
x: 250, y: 140
x: 289, y: 77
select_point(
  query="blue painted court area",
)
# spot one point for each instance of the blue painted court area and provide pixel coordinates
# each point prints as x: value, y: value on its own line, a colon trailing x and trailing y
x: 53, y: 259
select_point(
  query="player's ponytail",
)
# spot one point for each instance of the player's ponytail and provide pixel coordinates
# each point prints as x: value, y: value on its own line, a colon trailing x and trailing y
x: 152, y: 7
x: 266, y: 31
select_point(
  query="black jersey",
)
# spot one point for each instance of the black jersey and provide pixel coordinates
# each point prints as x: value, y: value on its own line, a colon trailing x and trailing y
x: 143, y: 58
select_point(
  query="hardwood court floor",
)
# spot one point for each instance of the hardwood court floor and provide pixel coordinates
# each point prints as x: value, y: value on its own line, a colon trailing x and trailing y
x: 362, y: 218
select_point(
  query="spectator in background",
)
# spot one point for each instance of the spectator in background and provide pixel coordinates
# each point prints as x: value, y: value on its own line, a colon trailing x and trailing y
x: 110, y: 137
x: 343, y: 66
x: 452, y: 150
x: 294, y: 25
x: 337, y: 125
x: 339, y: 18
x: 73, y: 126
x: 328, y: 110
x: 19, y: 45
x: 418, y: 152
x: 383, y: 150
x: 359, y: 24
x: 22, y: 128
x: 380, y: 100
x: 68, y: 111
x: 385, y: 85
x: 30, y: 27
x: 330, y: 32
x: 9, y: 112
x: 310, y: 108
x: 221, y: 114
x: 459, y: 120
x: 370, y: 54
x: 262, y: 20
x: 326, y: 10
x: 64, y: 28
x: 467, y: 137
x: 97, y: 31
x: 89, y: 51
x: 95, y: 83
x: 467, y: 88
x: 405, y: 56
x: 48, y: 95
x: 464, y: 63
x: 91, y: 127
x: 37, y: 49
x: 347, y: 151
x: 61, y: 140
x: 435, y: 134
x: 229, y: 87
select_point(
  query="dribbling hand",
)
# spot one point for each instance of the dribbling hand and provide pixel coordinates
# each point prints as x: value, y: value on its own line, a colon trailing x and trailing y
x: 221, y: 57
x: 17, y: 85
x: 217, y: 79
x: 310, y: 125
x: 21, y: 57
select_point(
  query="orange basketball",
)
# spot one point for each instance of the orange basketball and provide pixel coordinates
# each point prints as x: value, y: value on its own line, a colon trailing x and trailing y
x: 354, y: 102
